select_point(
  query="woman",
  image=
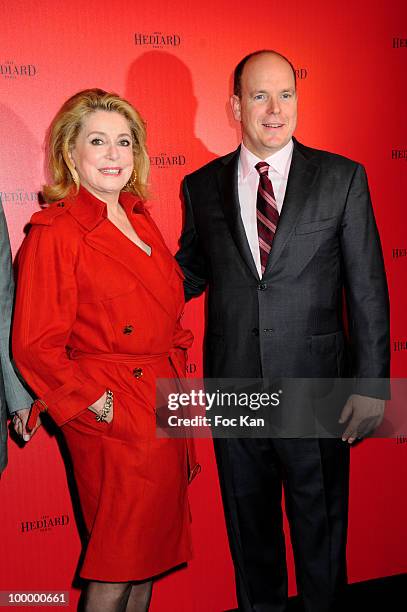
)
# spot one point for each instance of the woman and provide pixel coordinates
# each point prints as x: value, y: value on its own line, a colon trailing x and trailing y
x: 97, y: 316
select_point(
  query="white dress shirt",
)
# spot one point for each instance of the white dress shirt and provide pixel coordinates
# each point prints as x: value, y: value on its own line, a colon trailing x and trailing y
x: 248, y: 182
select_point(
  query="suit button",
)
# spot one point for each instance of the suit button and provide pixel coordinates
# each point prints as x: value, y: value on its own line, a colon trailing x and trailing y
x: 138, y: 372
x: 262, y: 286
x: 128, y: 329
x: 255, y: 331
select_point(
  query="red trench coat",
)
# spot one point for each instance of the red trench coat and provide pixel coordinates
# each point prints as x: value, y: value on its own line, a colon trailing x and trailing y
x: 93, y: 311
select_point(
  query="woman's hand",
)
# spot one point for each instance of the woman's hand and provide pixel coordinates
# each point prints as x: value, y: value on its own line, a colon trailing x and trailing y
x: 20, y: 419
x: 97, y: 408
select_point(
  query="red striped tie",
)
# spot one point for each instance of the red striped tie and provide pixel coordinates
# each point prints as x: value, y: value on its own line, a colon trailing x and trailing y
x: 267, y: 213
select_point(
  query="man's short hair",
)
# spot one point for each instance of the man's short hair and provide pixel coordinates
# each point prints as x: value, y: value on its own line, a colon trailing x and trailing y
x: 237, y: 75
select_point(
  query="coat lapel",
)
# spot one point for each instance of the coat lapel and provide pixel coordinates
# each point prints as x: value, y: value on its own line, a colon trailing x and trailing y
x: 109, y: 240
x: 301, y: 178
x: 228, y: 185
x: 103, y: 236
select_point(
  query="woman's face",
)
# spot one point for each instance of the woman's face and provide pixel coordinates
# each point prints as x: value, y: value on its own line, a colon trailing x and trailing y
x: 103, y: 154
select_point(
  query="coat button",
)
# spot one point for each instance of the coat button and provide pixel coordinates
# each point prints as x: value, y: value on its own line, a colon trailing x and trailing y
x: 128, y: 329
x: 262, y: 286
x: 255, y: 331
x: 60, y: 204
x: 138, y: 372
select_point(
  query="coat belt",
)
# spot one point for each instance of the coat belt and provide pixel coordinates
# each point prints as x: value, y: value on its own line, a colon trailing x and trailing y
x: 193, y: 466
x: 121, y: 357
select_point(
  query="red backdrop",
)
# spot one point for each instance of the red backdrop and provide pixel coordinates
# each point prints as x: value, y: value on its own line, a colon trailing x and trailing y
x: 174, y: 62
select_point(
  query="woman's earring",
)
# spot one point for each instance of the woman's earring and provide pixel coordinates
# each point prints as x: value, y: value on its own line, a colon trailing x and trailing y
x: 132, y: 182
x: 72, y: 170
x: 75, y: 177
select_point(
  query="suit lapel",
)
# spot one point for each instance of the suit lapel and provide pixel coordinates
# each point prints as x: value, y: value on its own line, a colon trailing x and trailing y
x: 301, y: 179
x: 228, y: 186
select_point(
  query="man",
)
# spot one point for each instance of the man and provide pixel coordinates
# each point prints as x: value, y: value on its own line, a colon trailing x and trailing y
x: 276, y: 244
x: 11, y: 389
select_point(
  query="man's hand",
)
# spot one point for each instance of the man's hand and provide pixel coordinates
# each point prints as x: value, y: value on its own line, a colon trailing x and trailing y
x: 20, y: 418
x: 364, y: 415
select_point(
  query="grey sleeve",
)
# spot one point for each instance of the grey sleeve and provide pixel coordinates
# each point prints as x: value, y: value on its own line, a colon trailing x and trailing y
x: 16, y: 395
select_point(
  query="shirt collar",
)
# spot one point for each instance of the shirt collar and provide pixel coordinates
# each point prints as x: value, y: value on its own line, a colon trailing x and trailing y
x: 89, y: 210
x: 279, y: 160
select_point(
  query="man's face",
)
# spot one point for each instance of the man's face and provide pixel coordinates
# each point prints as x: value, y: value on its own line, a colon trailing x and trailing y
x: 267, y: 108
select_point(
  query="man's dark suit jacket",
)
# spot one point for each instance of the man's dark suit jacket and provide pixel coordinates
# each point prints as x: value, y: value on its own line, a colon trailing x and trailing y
x: 290, y: 323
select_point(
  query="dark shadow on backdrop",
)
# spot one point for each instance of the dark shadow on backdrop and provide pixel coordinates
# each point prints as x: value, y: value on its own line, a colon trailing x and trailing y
x: 160, y: 86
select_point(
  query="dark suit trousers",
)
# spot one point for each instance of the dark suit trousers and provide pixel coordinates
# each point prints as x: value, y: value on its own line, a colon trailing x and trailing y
x: 315, y: 475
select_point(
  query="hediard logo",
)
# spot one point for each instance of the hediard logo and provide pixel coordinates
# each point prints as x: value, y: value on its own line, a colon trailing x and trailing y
x: 166, y: 161
x: 157, y: 40
x: 398, y: 43
x: 45, y: 523
x: 399, y: 345
x: 399, y: 154
x: 12, y: 70
x: 301, y: 73
x: 19, y: 196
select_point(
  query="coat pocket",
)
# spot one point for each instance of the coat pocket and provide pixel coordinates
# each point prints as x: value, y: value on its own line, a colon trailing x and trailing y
x: 316, y: 226
x: 328, y: 353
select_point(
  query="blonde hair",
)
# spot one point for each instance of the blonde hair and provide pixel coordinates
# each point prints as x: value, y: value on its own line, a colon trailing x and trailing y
x: 63, y: 133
